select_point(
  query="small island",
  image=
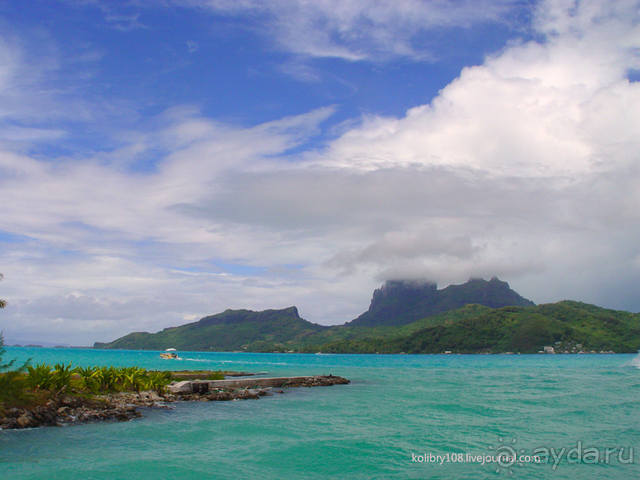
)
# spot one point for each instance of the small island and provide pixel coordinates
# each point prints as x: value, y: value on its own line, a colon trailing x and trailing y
x: 41, y: 395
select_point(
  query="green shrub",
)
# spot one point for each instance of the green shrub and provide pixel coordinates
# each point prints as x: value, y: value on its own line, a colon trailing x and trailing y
x: 39, y: 377
x: 12, y: 382
x: 13, y: 390
x: 157, y: 381
x: 108, y: 379
x: 133, y: 378
x: 41, y: 382
x: 62, y: 377
x: 88, y: 379
x: 216, y: 376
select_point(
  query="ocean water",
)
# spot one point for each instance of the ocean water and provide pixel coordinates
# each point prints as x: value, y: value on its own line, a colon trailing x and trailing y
x: 402, y: 417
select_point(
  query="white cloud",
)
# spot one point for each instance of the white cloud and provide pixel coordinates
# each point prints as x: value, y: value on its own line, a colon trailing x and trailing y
x: 558, y: 108
x: 36, y: 105
x: 354, y: 30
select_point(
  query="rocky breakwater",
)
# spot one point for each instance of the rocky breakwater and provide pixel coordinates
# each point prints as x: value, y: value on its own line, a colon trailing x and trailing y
x: 246, y: 388
x: 68, y: 409
x: 123, y: 406
x: 188, y: 387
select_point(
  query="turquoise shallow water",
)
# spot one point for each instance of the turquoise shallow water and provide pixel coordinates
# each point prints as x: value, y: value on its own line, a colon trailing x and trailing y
x: 399, y: 410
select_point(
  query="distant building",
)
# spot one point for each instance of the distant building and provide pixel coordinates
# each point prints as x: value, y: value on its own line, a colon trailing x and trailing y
x: 549, y: 349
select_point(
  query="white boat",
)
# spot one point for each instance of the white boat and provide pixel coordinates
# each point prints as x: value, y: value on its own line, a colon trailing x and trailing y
x: 170, y: 354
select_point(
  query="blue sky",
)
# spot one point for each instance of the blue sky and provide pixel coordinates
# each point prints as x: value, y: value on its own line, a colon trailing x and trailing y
x: 160, y: 161
x: 143, y: 58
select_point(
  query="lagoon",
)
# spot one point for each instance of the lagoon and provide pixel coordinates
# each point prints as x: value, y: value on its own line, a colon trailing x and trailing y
x: 397, y: 409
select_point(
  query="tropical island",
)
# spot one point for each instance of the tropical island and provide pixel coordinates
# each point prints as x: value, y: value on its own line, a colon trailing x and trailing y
x: 479, y: 316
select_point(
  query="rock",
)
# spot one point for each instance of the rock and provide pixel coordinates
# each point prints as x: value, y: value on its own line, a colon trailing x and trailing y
x: 246, y: 394
x: 220, y: 396
x: 154, y: 397
x: 180, y: 387
x: 8, y: 423
x: 25, y: 420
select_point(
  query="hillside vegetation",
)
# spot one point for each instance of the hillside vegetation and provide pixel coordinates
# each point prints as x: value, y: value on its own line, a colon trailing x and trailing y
x: 478, y: 316
x: 568, y: 326
x: 229, y: 330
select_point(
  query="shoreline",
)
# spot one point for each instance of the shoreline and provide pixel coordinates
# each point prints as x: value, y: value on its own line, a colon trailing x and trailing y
x: 124, y: 406
x: 445, y: 352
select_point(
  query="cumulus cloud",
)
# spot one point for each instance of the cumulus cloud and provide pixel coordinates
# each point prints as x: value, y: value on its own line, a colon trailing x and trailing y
x: 536, y: 109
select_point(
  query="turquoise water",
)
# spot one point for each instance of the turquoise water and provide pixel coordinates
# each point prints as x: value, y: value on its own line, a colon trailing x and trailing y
x: 399, y: 409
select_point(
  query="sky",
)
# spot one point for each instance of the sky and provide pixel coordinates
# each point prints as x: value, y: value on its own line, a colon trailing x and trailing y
x: 165, y: 160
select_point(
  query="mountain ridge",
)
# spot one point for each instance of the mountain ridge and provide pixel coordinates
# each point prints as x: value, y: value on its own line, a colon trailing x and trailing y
x: 228, y: 330
x: 399, y: 302
x: 412, y: 317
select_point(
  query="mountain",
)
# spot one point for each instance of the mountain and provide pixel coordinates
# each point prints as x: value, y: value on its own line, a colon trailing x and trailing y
x: 396, y: 303
x: 402, y: 302
x: 567, y: 326
x: 478, y: 316
x: 229, y: 330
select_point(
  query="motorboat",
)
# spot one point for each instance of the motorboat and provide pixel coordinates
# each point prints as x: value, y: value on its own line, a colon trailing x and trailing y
x: 170, y: 354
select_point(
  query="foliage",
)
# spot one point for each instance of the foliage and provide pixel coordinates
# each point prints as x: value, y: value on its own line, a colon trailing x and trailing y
x: 398, y: 304
x: 569, y: 326
x: 229, y: 330
x: 411, y: 318
x: 107, y: 378
x: 132, y: 378
x: 112, y: 379
x: 39, y: 377
x: 62, y: 377
x: 44, y: 381
x: 157, y: 380
x: 12, y: 389
x: 88, y: 378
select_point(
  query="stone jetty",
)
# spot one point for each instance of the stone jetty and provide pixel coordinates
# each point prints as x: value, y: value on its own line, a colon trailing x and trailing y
x: 204, y: 386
